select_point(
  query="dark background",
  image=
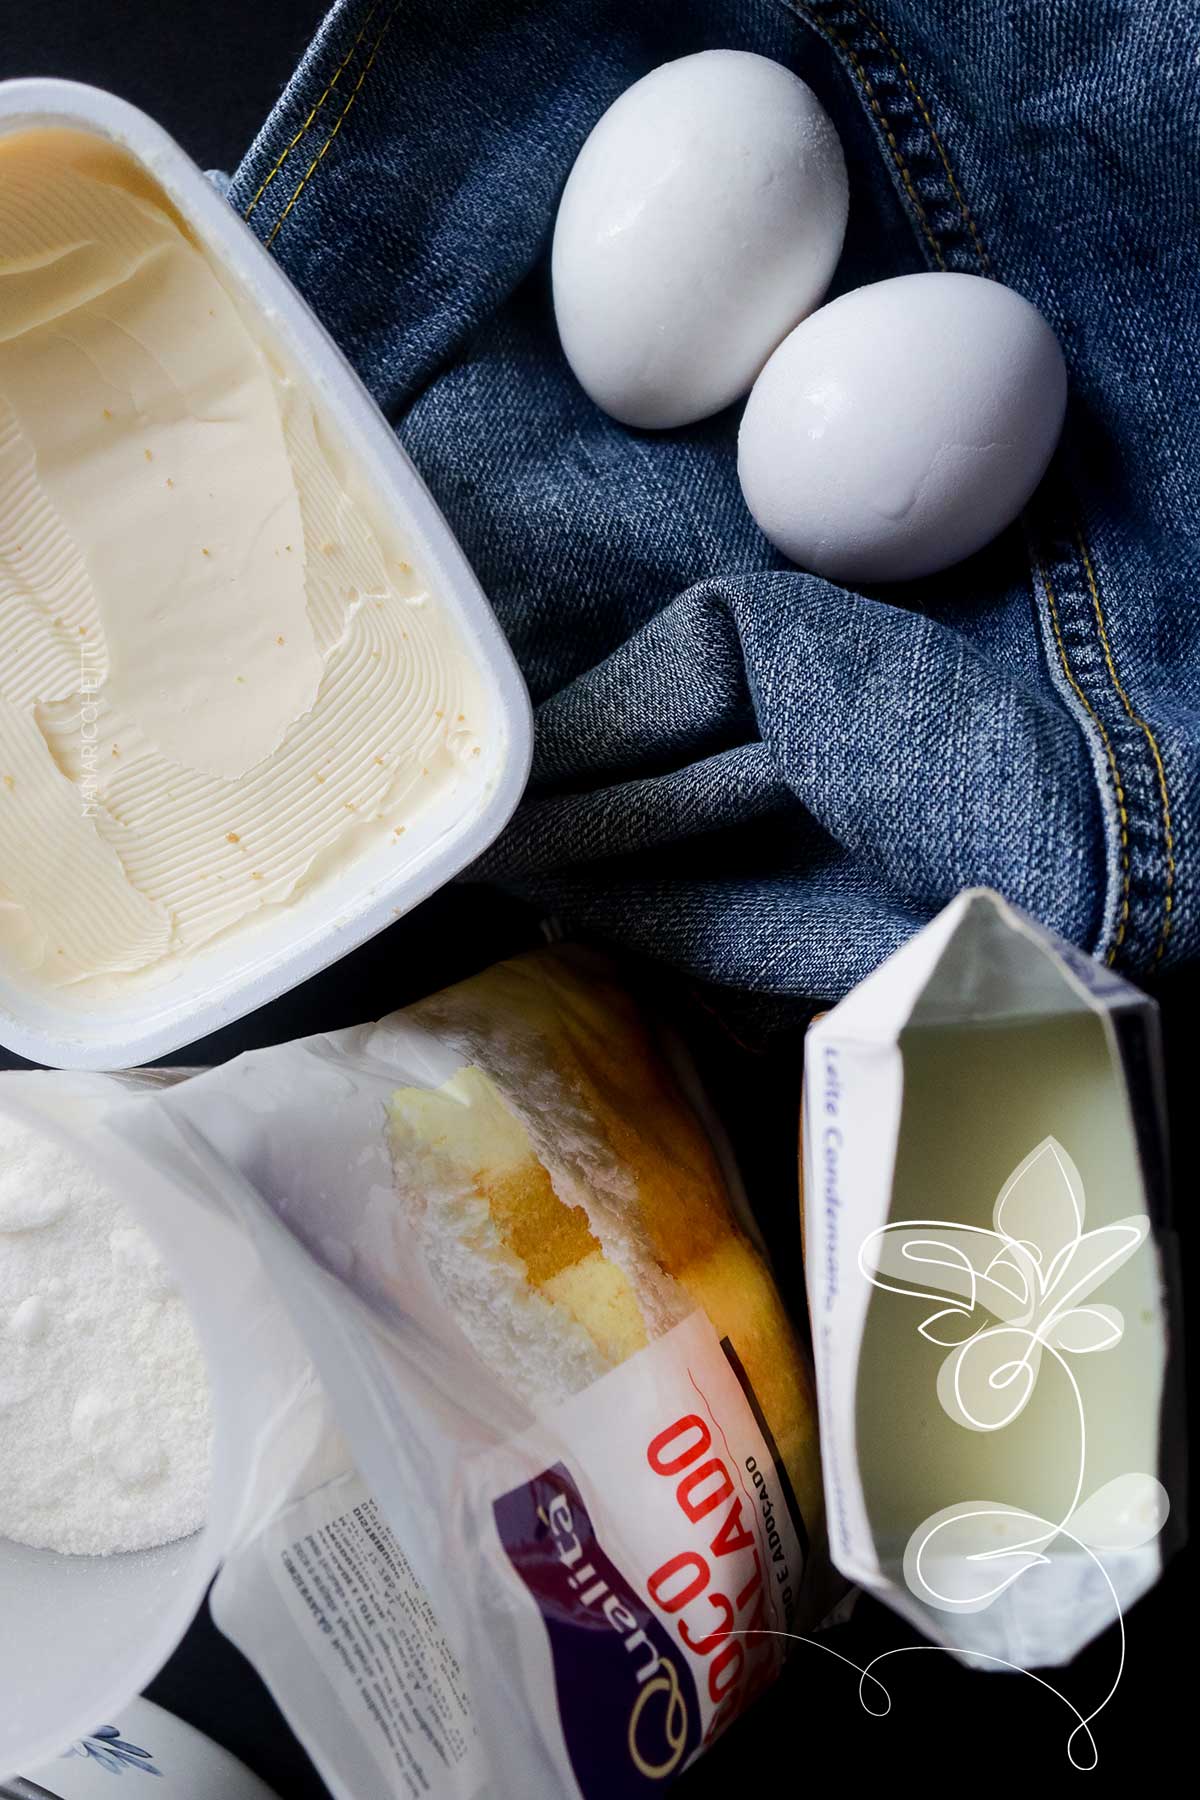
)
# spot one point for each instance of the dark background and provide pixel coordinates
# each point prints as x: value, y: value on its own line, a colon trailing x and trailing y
x: 210, y: 70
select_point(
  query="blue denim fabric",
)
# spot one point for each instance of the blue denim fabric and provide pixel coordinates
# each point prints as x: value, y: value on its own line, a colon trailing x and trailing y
x: 740, y: 768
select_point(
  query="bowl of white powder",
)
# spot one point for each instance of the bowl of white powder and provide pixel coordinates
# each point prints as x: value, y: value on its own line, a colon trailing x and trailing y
x: 106, y: 1429
x: 105, y: 1426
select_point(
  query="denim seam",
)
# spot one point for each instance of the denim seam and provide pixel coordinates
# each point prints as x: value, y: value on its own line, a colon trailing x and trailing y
x: 1084, y: 629
x: 1155, y: 752
x: 926, y: 178
x: 1110, y: 754
x: 316, y: 107
x: 968, y: 217
x: 859, y: 53
x: 319, y: 158
x: 850, y: 53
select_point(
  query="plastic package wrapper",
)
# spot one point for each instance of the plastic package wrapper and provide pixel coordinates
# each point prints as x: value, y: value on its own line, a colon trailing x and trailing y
x: 571, y: 1508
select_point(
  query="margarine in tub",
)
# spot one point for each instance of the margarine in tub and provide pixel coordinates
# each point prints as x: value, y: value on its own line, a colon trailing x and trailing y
x: 247, y: 686
x: 270, y: 685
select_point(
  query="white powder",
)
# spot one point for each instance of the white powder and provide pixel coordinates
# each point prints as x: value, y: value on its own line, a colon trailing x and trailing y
x: 104, y: 1411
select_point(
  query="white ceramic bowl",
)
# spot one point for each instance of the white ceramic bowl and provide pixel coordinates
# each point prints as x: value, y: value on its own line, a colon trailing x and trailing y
x: 143, y: 1738
x: 263, y: 960
x: 79, y: 1635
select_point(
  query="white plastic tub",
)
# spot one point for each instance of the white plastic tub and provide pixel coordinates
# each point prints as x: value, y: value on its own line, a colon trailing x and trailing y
x: 264, y: 959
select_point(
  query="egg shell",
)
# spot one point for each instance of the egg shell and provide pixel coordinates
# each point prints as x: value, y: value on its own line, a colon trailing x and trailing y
x: 902, y: 427
x: 703, y: 218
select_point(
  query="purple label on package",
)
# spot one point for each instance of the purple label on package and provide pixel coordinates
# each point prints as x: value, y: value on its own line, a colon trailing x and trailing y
x: 627, y: 1699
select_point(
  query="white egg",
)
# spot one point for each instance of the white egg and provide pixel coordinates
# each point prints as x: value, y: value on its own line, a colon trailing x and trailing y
x: 902, y: 427
x: 703, y: 217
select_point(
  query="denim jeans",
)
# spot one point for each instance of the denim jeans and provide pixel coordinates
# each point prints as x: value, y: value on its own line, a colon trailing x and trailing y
x: 742, y: 769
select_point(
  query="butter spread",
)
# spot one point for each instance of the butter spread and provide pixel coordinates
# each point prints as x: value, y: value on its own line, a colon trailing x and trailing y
x: 222, y: 679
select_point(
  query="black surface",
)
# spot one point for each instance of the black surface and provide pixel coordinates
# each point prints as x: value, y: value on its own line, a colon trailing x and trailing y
x: 210, y: 73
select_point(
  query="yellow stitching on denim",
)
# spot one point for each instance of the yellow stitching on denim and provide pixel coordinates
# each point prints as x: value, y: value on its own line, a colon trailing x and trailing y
x: 265, y: 183
x: 968, y: 218
x: 1168, y: 829
x: 317, y: 160
x: 1122, y: 813
x: 840, y: 43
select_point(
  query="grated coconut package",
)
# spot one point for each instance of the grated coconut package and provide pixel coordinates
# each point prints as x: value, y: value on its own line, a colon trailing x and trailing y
x: 546, y: 1508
